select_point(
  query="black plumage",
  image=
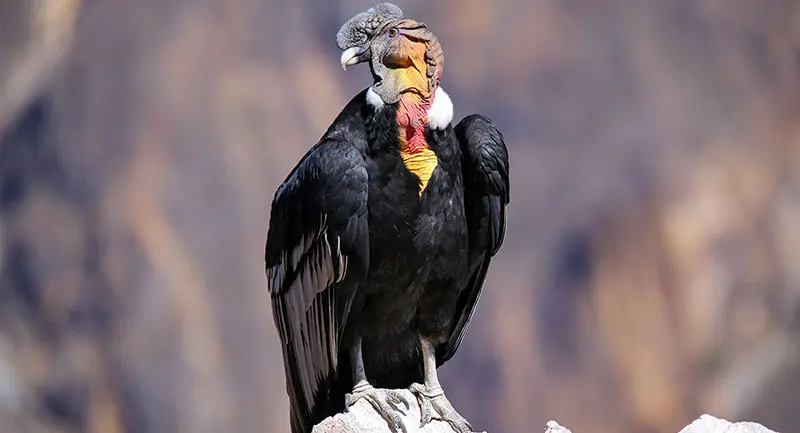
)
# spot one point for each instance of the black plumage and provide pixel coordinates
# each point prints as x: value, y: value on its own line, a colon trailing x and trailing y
x: 352, y: 248
x: 374, y: 280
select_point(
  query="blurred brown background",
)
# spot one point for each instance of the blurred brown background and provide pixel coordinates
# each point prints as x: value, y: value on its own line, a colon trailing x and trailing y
x: 652, y: 267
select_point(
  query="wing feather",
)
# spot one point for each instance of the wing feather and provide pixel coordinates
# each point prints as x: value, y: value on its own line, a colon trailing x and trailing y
x: 316, y: 255
x: 486, y: 195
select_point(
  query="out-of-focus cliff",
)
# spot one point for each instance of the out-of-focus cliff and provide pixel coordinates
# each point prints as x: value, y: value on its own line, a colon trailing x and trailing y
x: 651, y: 269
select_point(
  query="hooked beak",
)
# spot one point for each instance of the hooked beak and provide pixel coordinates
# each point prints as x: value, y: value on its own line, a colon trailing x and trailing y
x: 352, y: 56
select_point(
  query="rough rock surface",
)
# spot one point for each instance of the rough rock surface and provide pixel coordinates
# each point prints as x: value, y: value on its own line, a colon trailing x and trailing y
x: 554, y: 427
x: 710, y: 424
x: 362, y: 418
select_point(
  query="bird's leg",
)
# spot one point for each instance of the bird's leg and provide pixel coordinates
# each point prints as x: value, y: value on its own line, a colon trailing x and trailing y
x: 385, y: 401
x: 431, y: 395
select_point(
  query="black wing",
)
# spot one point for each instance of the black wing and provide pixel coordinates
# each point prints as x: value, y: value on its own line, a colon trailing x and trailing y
x: 486, y: 194
x: 317, y: 253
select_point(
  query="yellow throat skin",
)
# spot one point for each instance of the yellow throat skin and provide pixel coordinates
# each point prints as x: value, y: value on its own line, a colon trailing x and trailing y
x: 412, y: 117
x: 421, y: 163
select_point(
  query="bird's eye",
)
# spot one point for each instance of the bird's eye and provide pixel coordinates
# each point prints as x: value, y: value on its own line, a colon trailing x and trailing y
x: 392, y: 33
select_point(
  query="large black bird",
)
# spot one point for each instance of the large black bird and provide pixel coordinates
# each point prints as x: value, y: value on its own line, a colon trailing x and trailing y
x: 380, y: 238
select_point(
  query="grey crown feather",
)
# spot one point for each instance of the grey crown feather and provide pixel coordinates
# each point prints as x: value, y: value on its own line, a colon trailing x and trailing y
x: 359, y: 29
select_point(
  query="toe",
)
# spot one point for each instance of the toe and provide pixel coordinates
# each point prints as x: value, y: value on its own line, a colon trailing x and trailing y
x: 458, y: 423
x: 449, y: 414
x: 425, y: 412
x: 387, y: 411
x: 463, y: 426
x: 394, y: 420
x: 396, y: 398
x: 398, y: 424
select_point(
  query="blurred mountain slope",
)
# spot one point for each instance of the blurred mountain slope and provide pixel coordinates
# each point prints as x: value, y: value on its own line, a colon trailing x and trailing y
x: 652, y: 239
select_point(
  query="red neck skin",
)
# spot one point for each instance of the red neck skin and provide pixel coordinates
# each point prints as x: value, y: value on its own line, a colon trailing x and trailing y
x: 412, y: 116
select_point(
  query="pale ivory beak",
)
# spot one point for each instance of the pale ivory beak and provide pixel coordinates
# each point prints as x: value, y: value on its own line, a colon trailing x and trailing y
x: 351, y: 56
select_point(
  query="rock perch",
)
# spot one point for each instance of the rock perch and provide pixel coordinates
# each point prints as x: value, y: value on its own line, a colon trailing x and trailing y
x: 362, y: 418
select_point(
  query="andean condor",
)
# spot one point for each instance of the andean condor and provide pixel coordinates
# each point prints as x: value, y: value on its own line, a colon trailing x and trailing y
x: 380, y: 238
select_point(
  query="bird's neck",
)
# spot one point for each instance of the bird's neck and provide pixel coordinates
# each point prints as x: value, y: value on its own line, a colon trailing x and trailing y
x: 412, y: 118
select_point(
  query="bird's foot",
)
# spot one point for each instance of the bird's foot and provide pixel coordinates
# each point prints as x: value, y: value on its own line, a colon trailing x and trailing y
x: 385, y: 401
x: 431, y: 399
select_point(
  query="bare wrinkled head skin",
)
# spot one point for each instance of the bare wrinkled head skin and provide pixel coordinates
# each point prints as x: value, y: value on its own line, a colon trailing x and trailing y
x: 359, y: 29
x: 404, y: 55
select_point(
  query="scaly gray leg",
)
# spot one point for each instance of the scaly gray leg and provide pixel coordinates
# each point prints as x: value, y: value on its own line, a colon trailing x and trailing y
x: 431, y: 395
x: 384, y: 401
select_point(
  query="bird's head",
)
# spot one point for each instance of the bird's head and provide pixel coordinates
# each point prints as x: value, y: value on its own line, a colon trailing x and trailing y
x: 403, y: 54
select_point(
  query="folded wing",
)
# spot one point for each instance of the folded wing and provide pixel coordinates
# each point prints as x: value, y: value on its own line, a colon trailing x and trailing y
x: 486, y: 195
x: 316, y: 255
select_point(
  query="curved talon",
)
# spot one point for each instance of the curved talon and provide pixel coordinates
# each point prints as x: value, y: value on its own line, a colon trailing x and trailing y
x: 434, y: 399
x: 425, y: 408
x: 396, y: 398
x: 385, y: 401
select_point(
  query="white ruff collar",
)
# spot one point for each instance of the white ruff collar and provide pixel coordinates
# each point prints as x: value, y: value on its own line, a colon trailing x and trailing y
x: 439, y: 115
